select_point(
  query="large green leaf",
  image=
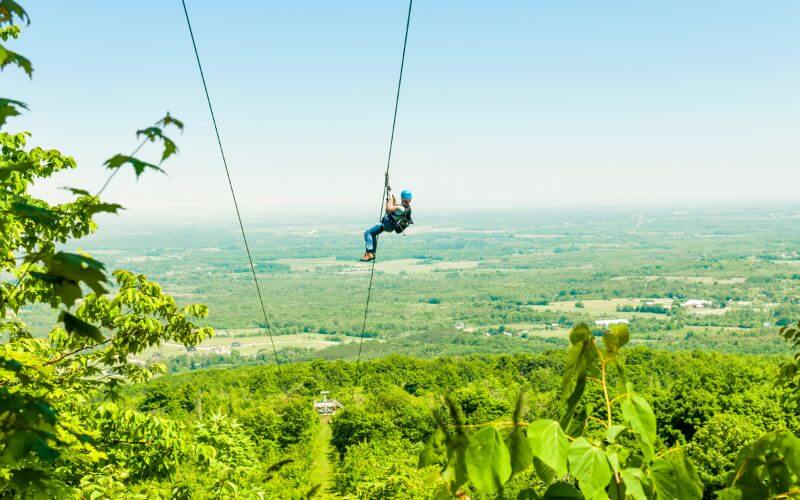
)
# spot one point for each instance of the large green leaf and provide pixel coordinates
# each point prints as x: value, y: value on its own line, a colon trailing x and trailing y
x: 632, y: 478
x: 581, y: 358
x: 616, y: 337
x: 520, y: 450
x: 138, y: 165
x: 434, y: 449
x: 549, y: 444
x: 675, y: 477
x: 579, y: 334
x: 640, y: 417
x: 66, y: 271
x: 528, y: 494
x: 8, y: 57
x: 590, y: 466
x: 10, y: 9
x: 39, y: 215
x: 487, y: 460
x: 543, y: 471
x: 79, y: 327
x: 9, y: 108
x: 573, y: 400
x: 768, y: 466
x: 729, y: 494
x: 562, y: 491
x: 153, y: 134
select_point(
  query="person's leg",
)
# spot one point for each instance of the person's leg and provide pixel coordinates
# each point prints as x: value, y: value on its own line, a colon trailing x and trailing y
x: 371, y: 237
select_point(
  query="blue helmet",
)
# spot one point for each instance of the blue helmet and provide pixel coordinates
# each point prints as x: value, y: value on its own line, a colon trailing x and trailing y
x: 405, y: 195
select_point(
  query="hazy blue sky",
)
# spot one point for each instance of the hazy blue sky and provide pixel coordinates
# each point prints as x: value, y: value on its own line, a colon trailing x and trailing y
x: 505, y: 104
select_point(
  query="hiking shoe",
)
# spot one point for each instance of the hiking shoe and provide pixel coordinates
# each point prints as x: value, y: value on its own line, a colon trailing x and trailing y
x: 368, y: 256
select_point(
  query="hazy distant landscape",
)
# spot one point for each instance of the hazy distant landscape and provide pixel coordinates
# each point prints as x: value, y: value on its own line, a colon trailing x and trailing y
x: 720, y: 279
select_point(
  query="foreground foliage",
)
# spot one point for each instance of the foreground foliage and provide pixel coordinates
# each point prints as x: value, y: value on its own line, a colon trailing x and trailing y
x: 612, y: 451
x: 62, y: 429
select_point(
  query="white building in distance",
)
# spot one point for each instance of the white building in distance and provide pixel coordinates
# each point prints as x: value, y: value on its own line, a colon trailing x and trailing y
x: 697, y: 303
x: 605, y: 323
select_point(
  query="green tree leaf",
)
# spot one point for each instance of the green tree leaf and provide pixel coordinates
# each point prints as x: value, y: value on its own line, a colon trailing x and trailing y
x: 640, y: 417
x: 528, y: 494
x: 9, y: 108
x: 10, y: 9
x: 487, y: 460
x: 590, y: 466
x: 8, y: 57
x: 767, y: 467
x: 139, y: 166
x: 616, y: 337
x: 632, y: 478
x: 674, y: 476
x: 434, y: 449
x: 154, y: 133
x: 543, y: 471
x: 38, y: 215
x: 579, y: 334
x: 613, y: 432
x: 520, y: 450
x: 573, y: 400
x: 170, y: 120
x: 562, y: 491
x: 549, y: 443
x: 79, y: 327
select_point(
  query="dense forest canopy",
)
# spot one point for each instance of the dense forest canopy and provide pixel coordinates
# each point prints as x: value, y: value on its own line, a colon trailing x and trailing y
x: 531, y: 374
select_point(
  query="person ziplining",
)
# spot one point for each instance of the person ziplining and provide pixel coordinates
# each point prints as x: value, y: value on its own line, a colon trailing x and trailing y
x: 397, y: 218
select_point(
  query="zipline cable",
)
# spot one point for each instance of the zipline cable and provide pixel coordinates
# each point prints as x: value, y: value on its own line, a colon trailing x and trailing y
x: 385, y: 182
x: 230, y: 183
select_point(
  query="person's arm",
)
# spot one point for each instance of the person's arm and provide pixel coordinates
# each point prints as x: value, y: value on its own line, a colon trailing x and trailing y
x: 391, y: 202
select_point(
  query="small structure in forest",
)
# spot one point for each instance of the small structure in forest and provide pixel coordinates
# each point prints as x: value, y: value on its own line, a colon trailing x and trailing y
x: 325, y: 406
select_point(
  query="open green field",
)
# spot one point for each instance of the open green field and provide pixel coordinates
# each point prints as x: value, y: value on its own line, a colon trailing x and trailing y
x: 251, y: 345
x: 455, y: 286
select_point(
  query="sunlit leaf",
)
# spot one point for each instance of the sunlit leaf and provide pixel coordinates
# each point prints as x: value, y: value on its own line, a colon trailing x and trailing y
x: 729, y: 494
x: 9, y: 108
x: 582, y: 358
x: 616, y: 337
x: 590, y: 466
x: 579, y: 333
x: 549, y: 443
x: 543, y: 471
x: 520, y: 450
x: 632, y: 478
x: 8, y: 57
x: 572, y: 402
x: 36, y: 214
x: 675, y: 477
x: 139, y: 166
x: 614, y: 431
x: 434, y: 449
x: 487, y: 460
x: 10, y: 9
x: 640, y: 417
